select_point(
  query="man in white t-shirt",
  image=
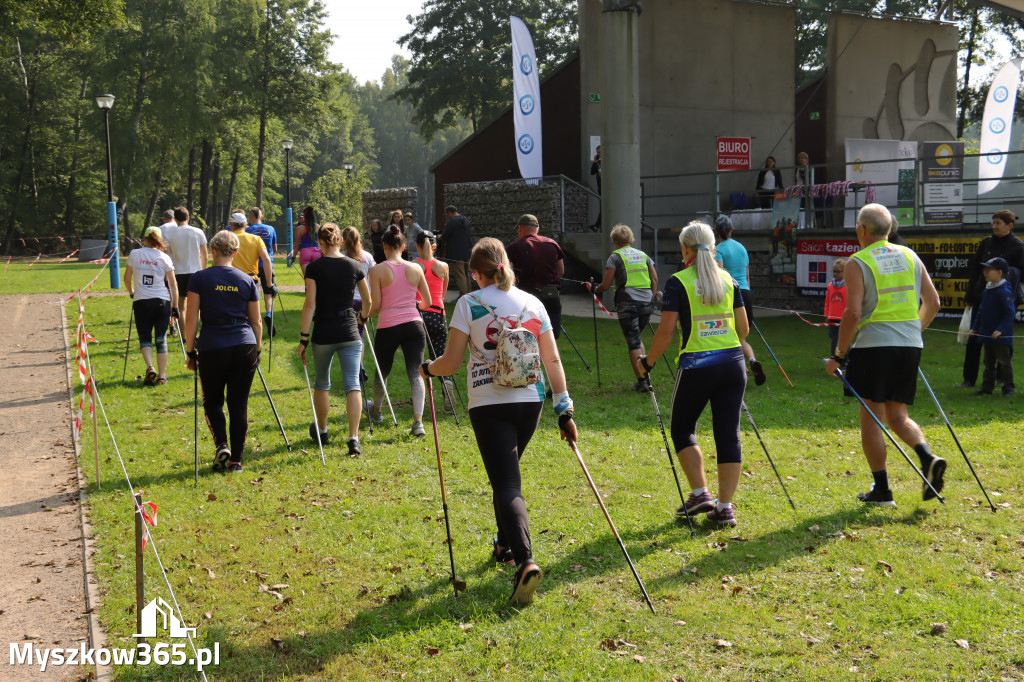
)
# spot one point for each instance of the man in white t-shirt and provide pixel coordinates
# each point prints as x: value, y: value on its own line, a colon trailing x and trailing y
x: 187, y: 248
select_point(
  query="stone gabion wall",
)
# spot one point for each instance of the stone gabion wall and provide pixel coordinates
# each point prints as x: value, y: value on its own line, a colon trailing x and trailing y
x: 378, y: 203
x: 493, y: 208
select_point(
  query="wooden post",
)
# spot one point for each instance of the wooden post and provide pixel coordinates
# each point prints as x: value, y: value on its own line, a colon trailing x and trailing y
x: 140, y: 597
x: 95, y: 433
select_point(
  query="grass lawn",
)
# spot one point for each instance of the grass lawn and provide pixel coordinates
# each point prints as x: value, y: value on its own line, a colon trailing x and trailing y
x: 833, y: 590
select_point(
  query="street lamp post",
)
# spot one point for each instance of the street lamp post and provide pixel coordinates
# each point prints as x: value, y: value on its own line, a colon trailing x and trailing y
x: 287, y: 146
x: 348, y: 168
x: 104, y: 102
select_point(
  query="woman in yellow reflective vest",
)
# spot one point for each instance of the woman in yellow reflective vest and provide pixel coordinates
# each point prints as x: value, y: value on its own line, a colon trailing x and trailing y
x: 707, y: 304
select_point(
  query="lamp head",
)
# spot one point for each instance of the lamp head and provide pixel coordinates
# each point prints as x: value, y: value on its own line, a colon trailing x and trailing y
x: 287, y: 144
x: 347, y: 166
x: 105, y: 101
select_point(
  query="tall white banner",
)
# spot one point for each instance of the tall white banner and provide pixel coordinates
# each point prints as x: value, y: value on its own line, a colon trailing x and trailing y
x: 526, y: 104
x: 996, y: 124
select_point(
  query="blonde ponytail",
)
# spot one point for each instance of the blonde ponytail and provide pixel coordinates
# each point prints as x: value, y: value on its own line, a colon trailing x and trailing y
x: 699, y: 237
x: 489, y: 259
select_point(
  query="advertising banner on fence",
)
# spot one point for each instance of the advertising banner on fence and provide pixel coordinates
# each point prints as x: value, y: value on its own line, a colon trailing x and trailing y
x: 943, y: 168
x: 526, y: 101
x: 870, y: 162
x: 906, y: 176
x: 947, y: 261
x: 733, y: 153
x: 814, y: 258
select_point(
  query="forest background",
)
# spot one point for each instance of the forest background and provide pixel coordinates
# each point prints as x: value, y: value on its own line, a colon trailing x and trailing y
x: 207, y: 90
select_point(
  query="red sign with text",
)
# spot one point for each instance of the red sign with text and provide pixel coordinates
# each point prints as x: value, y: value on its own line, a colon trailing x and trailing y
x: 733, y: 153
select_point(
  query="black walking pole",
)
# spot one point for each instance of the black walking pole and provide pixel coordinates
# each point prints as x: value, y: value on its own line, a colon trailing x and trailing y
x: 593, y: 304
x: 270, y: 353
x: 671, y: 456
x: 750, y: 418
x: 195, y: 414
x: 839, y: 373
x: 177, y: 325
x: 366, y: 407
x: 274, y: 409
x: 668, y: 365
x: 955, y: 439
x: 127, y: 343
x: 575, y: 348
x: 457, y: 585
x: 312, y: 405
x: 284, y: 313
x: 579, y: 458
x: 444, y: 385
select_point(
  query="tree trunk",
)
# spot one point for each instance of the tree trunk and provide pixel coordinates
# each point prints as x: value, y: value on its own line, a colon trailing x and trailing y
x: 231, y: 183
x: 964, y: 93
x: 211, y: 211
x: 69, y: 199
x: 204, y: 176
x: 191, y: 178
x: 26, y: 144
x: 133, y: 139
x: 155, y: 196
x: 261, y: 157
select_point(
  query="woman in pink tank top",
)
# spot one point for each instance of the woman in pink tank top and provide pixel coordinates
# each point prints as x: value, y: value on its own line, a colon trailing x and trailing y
x: 394, y: 284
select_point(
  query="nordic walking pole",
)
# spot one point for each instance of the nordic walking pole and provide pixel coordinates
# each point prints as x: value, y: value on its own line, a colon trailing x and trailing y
x: 668, y: 365
x: 177, y: 325
x: 457, y: 585
x: 274, y: 409
x: 383, y: 381
x: 366, y: 408
x: 575, y: 348
x: 593, y: 304
x: 195, y: 416
x: 671, y: 457
x: 313, y: 406
x: 772, y: 353
x: 839, y: 373
x: 127, y: 343
x: 444, y: 385
x: 284, y: 314
x: 955, y: 439
x: 750, y: 418
x: 579, y: 458
x: 270, y: 353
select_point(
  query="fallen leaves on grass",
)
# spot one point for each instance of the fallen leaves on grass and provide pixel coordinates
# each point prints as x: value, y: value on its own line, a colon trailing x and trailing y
x: 962, y: 643
x: 939, y: 628
x: 722, y: 644
x: 885, y: 565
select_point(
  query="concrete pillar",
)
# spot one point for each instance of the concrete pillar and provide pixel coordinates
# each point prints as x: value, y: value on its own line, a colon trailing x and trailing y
x: 620, y: 124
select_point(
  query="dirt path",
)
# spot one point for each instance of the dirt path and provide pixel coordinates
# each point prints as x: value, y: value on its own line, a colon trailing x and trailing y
x: 42, y: 591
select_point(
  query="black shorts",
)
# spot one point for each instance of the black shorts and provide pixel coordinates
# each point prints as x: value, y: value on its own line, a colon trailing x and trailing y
x: 633, y: 319
x: 884, y: 374
x: 266, y: 286
x: 748, y: 305
x: 183, y: 281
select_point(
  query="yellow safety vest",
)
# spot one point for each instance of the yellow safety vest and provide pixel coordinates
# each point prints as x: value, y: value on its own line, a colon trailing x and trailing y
x: 634, y: 261
x: 711, y: 327
x: 892, y: 267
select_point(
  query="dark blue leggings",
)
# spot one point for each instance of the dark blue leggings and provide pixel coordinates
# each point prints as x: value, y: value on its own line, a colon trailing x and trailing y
x: 723, y: 386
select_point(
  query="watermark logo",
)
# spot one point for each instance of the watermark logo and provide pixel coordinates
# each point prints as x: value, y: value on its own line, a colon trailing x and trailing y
x: 169, y: 620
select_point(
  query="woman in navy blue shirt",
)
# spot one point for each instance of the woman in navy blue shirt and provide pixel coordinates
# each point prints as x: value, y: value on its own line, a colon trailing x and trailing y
x: 228, y: 350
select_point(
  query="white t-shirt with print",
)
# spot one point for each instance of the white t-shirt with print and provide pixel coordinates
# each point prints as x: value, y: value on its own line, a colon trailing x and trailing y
x: 473, y: 319
x: 149, y: 270
x: 184, y: 243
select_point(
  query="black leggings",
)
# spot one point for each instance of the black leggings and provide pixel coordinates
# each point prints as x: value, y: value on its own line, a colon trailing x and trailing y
x: 502, y: 433
x: 231, y: 368
x: 437, y: 332
x: 723, y: 386
x: 152, y: 317
x: 412, y: 339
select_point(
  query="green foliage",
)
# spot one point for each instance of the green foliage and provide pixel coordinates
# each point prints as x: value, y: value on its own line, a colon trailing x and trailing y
x: 462, y: 56
x: 336, y: 197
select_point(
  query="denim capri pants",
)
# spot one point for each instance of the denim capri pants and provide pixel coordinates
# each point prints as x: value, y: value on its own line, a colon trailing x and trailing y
x: 348, y: 355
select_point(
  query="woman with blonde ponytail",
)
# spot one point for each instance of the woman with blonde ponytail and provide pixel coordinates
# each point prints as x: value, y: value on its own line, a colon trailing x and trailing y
x: 504, y: 418
x: 706, y: 302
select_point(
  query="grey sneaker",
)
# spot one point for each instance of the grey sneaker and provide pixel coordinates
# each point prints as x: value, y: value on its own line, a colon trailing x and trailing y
x: 723, y: 517
x: 417, y: 429
x: 376, y: 417
x: 696, y: 504
x: 934, y: 473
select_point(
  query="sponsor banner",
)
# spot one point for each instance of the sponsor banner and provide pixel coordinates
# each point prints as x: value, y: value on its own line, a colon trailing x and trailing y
x: 733, y: 153
x: 906, y: 176
x: 526, y: 101
x: 948, y: 261
x: 814, y: 258
x: 943, y: 168
x: 871, y: 162
x: 996, y: 125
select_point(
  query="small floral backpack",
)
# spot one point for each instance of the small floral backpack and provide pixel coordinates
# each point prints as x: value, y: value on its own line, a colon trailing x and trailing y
x: 517, y: 352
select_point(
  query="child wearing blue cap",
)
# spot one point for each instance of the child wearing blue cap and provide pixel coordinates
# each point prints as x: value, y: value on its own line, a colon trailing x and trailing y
x: 994, y: 326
